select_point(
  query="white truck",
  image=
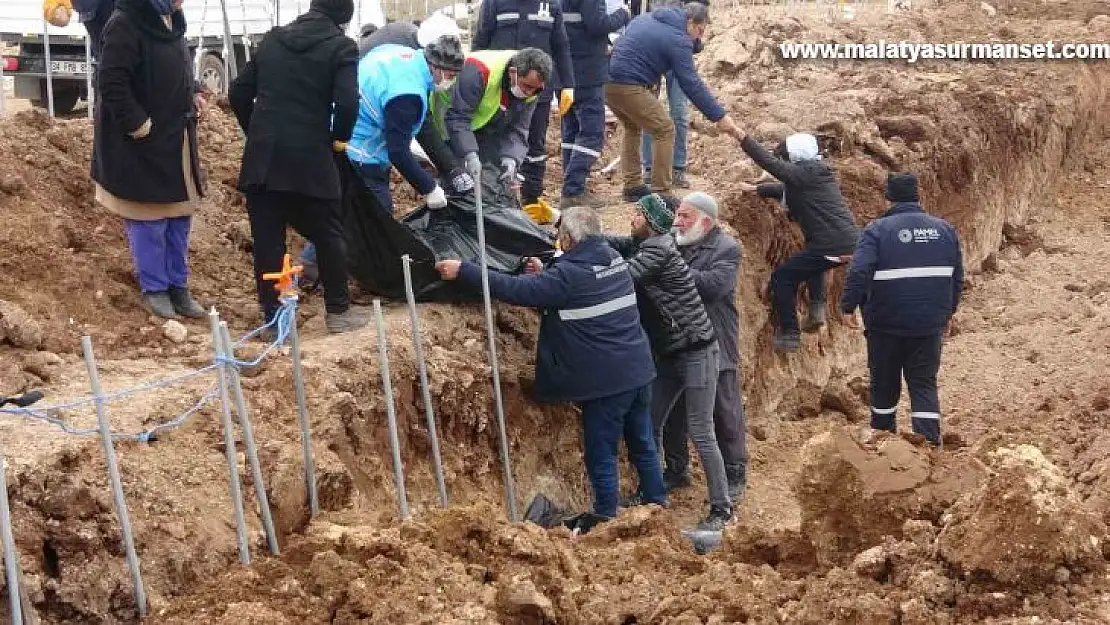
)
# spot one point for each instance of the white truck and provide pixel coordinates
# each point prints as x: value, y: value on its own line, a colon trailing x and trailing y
x: 22, y: 30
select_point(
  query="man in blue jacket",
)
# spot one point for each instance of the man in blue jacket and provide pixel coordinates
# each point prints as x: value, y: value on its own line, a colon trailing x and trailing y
x: 591, y: 350
x: 652, y: 45
x: 519, y: 24
x: 907, y: 274
x: 588, y: 26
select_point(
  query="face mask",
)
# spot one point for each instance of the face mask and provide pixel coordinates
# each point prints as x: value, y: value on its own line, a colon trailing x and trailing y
x: 518, y: 92
x: 445, y: 84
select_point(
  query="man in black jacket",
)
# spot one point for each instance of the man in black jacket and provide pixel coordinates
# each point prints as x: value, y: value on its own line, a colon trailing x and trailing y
x: 811, y: 196
x: 683, y: 339
x: 714, y: 260
x: 907, y: 275
x: 284, y: 100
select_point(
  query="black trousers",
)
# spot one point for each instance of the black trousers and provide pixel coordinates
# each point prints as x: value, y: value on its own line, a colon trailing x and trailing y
x: 805, y: 266
x: 535, y: 163
x: 917, y: 358
x: 316, y: 220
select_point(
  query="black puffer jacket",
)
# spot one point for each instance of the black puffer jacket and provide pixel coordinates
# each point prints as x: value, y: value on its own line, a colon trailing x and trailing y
x: 670, y: 307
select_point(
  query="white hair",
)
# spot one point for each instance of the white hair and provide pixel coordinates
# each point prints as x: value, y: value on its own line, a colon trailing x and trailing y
x: 579, y: 222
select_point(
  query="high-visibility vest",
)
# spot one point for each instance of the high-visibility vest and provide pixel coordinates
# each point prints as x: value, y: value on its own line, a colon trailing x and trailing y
x: 494, y: 63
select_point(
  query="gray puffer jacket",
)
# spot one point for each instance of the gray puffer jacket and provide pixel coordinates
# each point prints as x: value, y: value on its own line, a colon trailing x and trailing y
x: 670, y: 308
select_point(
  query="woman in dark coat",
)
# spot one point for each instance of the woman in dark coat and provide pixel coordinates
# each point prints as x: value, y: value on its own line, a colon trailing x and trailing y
x: 145, y: 161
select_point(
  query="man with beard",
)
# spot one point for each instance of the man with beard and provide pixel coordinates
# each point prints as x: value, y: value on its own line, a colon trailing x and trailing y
x: 714, y: 260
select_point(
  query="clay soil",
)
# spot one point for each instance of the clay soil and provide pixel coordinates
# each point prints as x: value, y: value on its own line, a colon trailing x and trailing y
x: 1006, y: 524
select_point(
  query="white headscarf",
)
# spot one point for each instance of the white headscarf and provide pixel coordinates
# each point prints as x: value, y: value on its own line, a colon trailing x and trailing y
x: 802, y: 147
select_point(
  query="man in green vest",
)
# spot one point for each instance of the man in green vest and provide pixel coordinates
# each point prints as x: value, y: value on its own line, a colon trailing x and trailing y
x: 487, y: 114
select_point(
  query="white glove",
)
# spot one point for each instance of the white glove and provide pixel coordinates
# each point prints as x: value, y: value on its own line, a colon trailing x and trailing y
x: 474, y: 165
x: 436, y: 199
x: 508, y: 170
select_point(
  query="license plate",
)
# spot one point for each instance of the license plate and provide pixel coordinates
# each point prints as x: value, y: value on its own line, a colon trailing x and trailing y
x: 68, y: 67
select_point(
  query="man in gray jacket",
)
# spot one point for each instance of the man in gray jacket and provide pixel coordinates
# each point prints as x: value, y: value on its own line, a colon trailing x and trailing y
x: 714, y: 260
x: 682, y: 338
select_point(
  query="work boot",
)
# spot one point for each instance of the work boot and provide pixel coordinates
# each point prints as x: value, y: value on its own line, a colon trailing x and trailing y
x: 675, y: 481
x: 349, y: 321
x: 737, y: 475
x: 185, y: 305
x: 784, y: 342
x: 678, y: 179
x: 815, y: 318
x: 634, y: 194
x: 637, y: 499
x: 159, y: 303
x: 587, y: 199
x: 716, y: 521
x: 309, y: 280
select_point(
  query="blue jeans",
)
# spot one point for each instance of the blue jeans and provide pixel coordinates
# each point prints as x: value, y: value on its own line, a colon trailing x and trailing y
x: 676, y: 101
x: 583, y: 138
x: 376, y: 179
x: 604, y: 422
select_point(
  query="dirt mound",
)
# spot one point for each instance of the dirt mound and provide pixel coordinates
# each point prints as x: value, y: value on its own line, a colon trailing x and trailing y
x: 851, y: 496
x: 1024, y: 526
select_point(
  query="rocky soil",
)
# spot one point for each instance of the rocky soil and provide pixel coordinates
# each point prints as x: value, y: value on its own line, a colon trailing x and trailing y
x: 1006, y: 524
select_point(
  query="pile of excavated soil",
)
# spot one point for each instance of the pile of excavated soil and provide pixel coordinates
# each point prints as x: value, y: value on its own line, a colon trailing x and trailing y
x: 831, y: 530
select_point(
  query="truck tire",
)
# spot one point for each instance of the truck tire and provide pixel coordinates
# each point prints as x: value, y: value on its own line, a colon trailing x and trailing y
x: 65, y: 98
x: 212, y: 75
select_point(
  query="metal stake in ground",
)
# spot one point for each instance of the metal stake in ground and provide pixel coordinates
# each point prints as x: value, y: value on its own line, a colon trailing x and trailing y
x: 248, y: 438
x: 391, y: 413
x: 49, y: 67
x: 229, y: 442
x: 425, y: 392
x: 113, y: 476
x: 510, y: 490
x: 11, y: 557
x: 302, y: 415
x: 90, y: 98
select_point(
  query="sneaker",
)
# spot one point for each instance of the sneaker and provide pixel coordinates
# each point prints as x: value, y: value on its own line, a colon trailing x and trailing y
x: 185, y: 305
x: 815, y: 318
x: 647, y: 177
x: 633, y: 500
x: 716, y: 521
x: 784, y: 342
x: 349, y: 321
x: 737, y: 475
x: 160, y: 304
x: 678, y: 179
x: 676, y: 481
x: 635, y: 193
x: 587, y: 199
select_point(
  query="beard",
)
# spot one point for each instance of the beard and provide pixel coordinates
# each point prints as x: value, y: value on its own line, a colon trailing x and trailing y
x: 695, y: 233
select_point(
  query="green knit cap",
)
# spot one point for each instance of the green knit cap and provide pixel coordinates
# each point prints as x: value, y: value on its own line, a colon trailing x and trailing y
x: 658, y: 210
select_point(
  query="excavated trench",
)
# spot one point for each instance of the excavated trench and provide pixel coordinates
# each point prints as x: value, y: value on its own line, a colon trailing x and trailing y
x: 987, y: 172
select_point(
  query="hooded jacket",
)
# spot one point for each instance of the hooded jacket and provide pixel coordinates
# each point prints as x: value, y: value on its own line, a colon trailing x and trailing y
x: 907, y: 273
x: 809, y: 191
x: 657, y: 43
x: 284, y: 101
x: 591, y: 344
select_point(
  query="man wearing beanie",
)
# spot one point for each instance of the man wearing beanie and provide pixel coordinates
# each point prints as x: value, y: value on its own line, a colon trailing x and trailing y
x: 810, y: 194
x: 907, y: 275
x: 303, y: 75
x: 714, y: 260
x: 683, y: 339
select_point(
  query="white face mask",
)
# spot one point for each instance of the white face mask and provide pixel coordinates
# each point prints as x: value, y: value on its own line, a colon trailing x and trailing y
x: 518, y: 92
x: 445, y: 85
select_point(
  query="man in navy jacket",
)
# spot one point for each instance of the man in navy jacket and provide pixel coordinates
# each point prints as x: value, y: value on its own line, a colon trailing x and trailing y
x: 652, y: 45
x: 519, y: 24
x: 591, y: 350
x: 907, y: 275
x: 588, y: 26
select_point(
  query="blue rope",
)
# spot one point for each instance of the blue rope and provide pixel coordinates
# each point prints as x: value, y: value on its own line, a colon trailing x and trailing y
x: 283, y: 320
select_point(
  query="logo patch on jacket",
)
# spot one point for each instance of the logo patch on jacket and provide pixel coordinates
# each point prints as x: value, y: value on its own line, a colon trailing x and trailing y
x: 918, y: 235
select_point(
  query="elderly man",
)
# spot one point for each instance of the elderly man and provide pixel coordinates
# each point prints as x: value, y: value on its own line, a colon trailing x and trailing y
x: 683, y: 339
x: 714, y: 260
x: 487, y: 114
x: 591, y: 350
x: 809, y: 192
x: 654, y: 44
x: 907, y: 274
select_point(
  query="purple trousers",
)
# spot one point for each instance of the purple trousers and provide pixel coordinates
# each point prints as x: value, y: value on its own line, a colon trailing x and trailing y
x: 159, y: 249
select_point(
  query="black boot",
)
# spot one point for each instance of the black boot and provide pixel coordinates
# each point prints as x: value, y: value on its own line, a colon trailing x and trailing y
x: 185, y: 305
x: 159, y: 303
x: 716, y: 520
